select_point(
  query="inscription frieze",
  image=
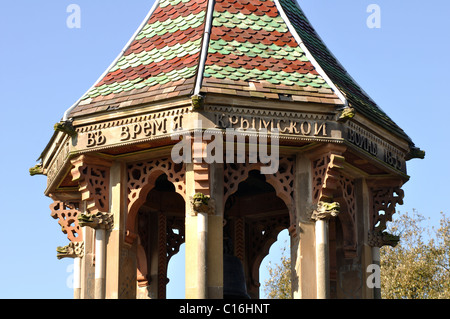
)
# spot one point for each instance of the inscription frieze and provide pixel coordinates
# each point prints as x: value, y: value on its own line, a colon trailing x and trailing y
x: 58, y: 162
x: 291, y: 126
x: 129, y: 130
x: 376, y: 147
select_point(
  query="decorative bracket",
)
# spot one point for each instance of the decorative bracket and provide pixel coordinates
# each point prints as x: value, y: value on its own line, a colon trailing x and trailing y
x: 92, y: 175
x: 346, y: 114
x: 65, y: 127
x: 99, y: 220
x: 67, y: 214
x: 324, y: 210
x: 384, y: 201
x: 37, y: 170
x: 72, y: 250
x: 202, y: 204
x: 380, y: 239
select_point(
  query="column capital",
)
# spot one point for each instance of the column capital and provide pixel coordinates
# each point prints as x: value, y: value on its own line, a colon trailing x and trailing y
x: 202, y: 204
x: 324, y: 210
x: 99, y: 220
x: 72, y: 250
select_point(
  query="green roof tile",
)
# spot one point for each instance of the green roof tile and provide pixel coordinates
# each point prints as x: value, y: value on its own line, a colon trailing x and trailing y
x: 249, y: 41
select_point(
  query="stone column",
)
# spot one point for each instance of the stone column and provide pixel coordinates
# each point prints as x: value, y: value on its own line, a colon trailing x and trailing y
x: 100, y: 263
x: 302, y: 245
x: 378, y: 239
x: 77, y: 278
x: 215, y: 233
x: 202, y: 244
x: 204, y: 229
x: 376, y: 261
x: 193, y: 270
x: 118, y: 207
x: 321, y: 214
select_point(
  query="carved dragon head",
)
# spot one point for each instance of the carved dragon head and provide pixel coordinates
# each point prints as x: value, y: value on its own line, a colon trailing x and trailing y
x: 202, y: 203
x: 72, y: 250
x: 97, y: 220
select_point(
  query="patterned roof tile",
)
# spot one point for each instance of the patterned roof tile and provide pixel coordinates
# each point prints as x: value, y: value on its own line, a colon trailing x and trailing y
x: 251, y: 42
x: 356, y: 97
x: 165, y: 50
x: 251, y: 52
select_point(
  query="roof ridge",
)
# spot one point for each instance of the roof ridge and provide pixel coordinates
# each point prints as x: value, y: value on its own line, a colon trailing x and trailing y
x: 308, y: 53
x: 251, y: 42
x: 205, y: 46
x: 353, y: 92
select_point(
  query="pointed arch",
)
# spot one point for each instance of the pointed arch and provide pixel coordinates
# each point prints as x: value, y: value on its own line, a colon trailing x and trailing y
x: 282, y: 181
x: 142, y: 177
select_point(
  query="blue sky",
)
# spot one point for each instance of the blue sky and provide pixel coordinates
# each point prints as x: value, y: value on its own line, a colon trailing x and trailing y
x: 46, y: 67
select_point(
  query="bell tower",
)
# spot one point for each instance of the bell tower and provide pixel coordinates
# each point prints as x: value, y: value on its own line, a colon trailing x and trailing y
x: 222, y: 123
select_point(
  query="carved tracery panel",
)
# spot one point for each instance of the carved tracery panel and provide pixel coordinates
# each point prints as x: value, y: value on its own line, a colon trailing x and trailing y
x: 319, y: 170
x: 384, y: 201
x: 262, y: 233
x: 348, y: 216
x: 141, y: 179
x: 330, y: 184
x: 141, y: 175
x: 170, y: 236
x: 282, y: 180
x: 92, y: 175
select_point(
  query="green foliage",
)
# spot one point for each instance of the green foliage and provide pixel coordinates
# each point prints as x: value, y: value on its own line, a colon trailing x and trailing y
x: 278, y: 286
x: 418, y: 267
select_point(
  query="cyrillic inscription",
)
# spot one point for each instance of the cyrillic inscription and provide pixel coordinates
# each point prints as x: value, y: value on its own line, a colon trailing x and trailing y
x: 284, y: 126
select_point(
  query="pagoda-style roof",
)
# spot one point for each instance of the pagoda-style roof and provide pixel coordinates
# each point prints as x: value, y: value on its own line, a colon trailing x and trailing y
x: 249, y: 48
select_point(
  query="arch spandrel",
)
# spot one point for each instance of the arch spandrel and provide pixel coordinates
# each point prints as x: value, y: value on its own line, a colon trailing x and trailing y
x: 142, y: 177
